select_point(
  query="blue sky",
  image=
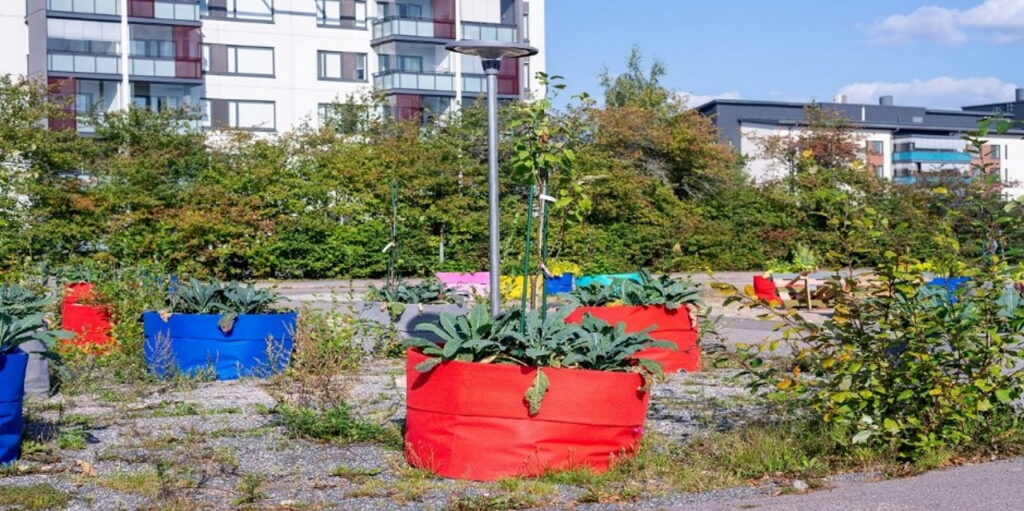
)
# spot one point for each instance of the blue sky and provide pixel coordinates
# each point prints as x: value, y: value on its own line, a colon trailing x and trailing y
x: 935, y: 53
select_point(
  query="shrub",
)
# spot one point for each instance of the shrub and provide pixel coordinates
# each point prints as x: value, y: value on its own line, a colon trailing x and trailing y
x: 906, y: 366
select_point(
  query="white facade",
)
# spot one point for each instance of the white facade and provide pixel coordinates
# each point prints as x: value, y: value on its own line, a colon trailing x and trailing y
x: 14, y: 58
x: 268, y: 65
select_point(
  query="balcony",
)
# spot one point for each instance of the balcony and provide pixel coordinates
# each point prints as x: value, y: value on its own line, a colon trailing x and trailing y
x: 408, y: 80
x: 489, y: 32
x: 477, y: 84
x: 171, y: 10
x: 165, y: 68
x: 91, y: 7
x: 428, y: 28
x: 70, y: 62
x: 925, y: 156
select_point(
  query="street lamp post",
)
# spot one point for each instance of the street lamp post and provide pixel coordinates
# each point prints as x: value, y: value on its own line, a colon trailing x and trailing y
x: 491, y: 53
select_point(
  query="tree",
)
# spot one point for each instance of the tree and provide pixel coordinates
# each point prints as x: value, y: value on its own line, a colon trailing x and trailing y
x: 637, y: 88
x: 829, y: 140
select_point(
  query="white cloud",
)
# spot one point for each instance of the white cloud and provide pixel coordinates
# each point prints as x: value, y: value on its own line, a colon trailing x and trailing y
x: 694, y: 100
x: 1001, y: 20
x: 941, y: 92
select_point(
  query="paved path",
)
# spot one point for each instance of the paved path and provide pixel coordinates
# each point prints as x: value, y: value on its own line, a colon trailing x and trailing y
x: 988, y: 486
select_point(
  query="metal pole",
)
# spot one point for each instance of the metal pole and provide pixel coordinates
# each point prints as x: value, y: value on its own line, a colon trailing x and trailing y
x: 491, y: 68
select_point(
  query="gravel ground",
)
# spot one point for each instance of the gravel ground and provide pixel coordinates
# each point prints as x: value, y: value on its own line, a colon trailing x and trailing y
x: 218, y: 445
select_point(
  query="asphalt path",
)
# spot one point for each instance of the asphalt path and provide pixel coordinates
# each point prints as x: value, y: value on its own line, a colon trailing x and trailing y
x: 997, y: 485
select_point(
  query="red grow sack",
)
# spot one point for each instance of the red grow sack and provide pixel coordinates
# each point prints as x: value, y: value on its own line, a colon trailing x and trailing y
x: 471, y: 421
x: 675, y: 326
x: 89, y: 323
x: 766, y: 290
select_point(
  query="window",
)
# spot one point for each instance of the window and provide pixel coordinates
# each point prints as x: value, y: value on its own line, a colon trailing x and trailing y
x: 240, y: 10
x: 879, y: 170
x: 994, y: 152
x: 341, y: 13
x: 338, y: 65
x: 877, y: 147
x: 241, y: 114
x: 409, y: 11
x: 225, y: 59
x: 409, y: 63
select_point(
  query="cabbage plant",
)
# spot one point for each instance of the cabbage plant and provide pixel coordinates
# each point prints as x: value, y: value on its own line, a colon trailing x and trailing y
x: 538, y: 341
x: 229, y: 299
x: 664, y: 290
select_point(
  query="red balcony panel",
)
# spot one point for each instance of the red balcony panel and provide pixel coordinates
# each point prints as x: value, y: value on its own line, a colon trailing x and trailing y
x: 508, y: 77
x: 444, y: 18
x: 188, y: 52
x: 140, y: 8
x: 63, y: 90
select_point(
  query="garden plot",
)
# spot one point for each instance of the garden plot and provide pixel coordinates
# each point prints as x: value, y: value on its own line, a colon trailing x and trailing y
x: 227, y: 445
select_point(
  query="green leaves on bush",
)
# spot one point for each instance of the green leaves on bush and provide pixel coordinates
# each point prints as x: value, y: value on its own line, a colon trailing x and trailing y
x: 903, y: 365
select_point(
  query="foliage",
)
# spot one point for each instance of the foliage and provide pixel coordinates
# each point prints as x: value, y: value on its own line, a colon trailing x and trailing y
x: 197, y: 297
x: 829, y: 141
x: 900, y: 365
x: 651, y: 290
x: 17, y: 330
x: 542, y: 342
x: 428, y: 291
x: 19, y: 301
x: 336, y: 424
x: 594, y: 294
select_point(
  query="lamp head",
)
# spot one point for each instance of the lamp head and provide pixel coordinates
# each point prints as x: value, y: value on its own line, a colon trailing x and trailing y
x: 491, y: 50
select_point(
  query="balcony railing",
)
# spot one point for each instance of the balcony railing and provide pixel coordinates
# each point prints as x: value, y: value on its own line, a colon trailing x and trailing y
x: 473, y: 83
x: 924, y: 156
x: 413, y: 27
x: 67, y: 62
x: 108, y: 7
x: 489, y: 32
x: 176, y: 10
x: 165, y: 68
x: 390, y: 80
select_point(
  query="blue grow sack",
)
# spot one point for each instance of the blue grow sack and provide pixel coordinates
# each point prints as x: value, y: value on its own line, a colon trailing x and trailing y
x: 558, y: 284
x: 951, y: 284
x: 258, y: 345
x: 606, y: 280
x: 12, y: 393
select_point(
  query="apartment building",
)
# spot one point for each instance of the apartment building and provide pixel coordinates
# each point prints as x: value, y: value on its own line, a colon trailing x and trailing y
x: 266, y: 65
x: 902, y: 143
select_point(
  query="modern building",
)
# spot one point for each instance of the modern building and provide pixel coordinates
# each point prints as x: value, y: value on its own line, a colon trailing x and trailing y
x: 901, y: 143
x: 267, y: 65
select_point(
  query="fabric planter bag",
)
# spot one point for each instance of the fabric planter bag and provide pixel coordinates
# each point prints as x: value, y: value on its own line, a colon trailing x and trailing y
x: 258, y: 345
x: 559, y: 284
x: 470, y: 284
x: 90, y: 323
x: 12, y: 394
x: 606, y: 280
x: 766, y: 290
x: 951, y: 285
x: 412, y: 318
x: 471, y: 421
x: 37, y: 372
x: 675, y: 326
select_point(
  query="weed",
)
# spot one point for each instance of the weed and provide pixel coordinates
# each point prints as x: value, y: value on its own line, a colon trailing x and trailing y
x: 33, y: 497
x: 486, y: 502
x: 354, y: 473
x: 332, y: 425
x: 250, y: 489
